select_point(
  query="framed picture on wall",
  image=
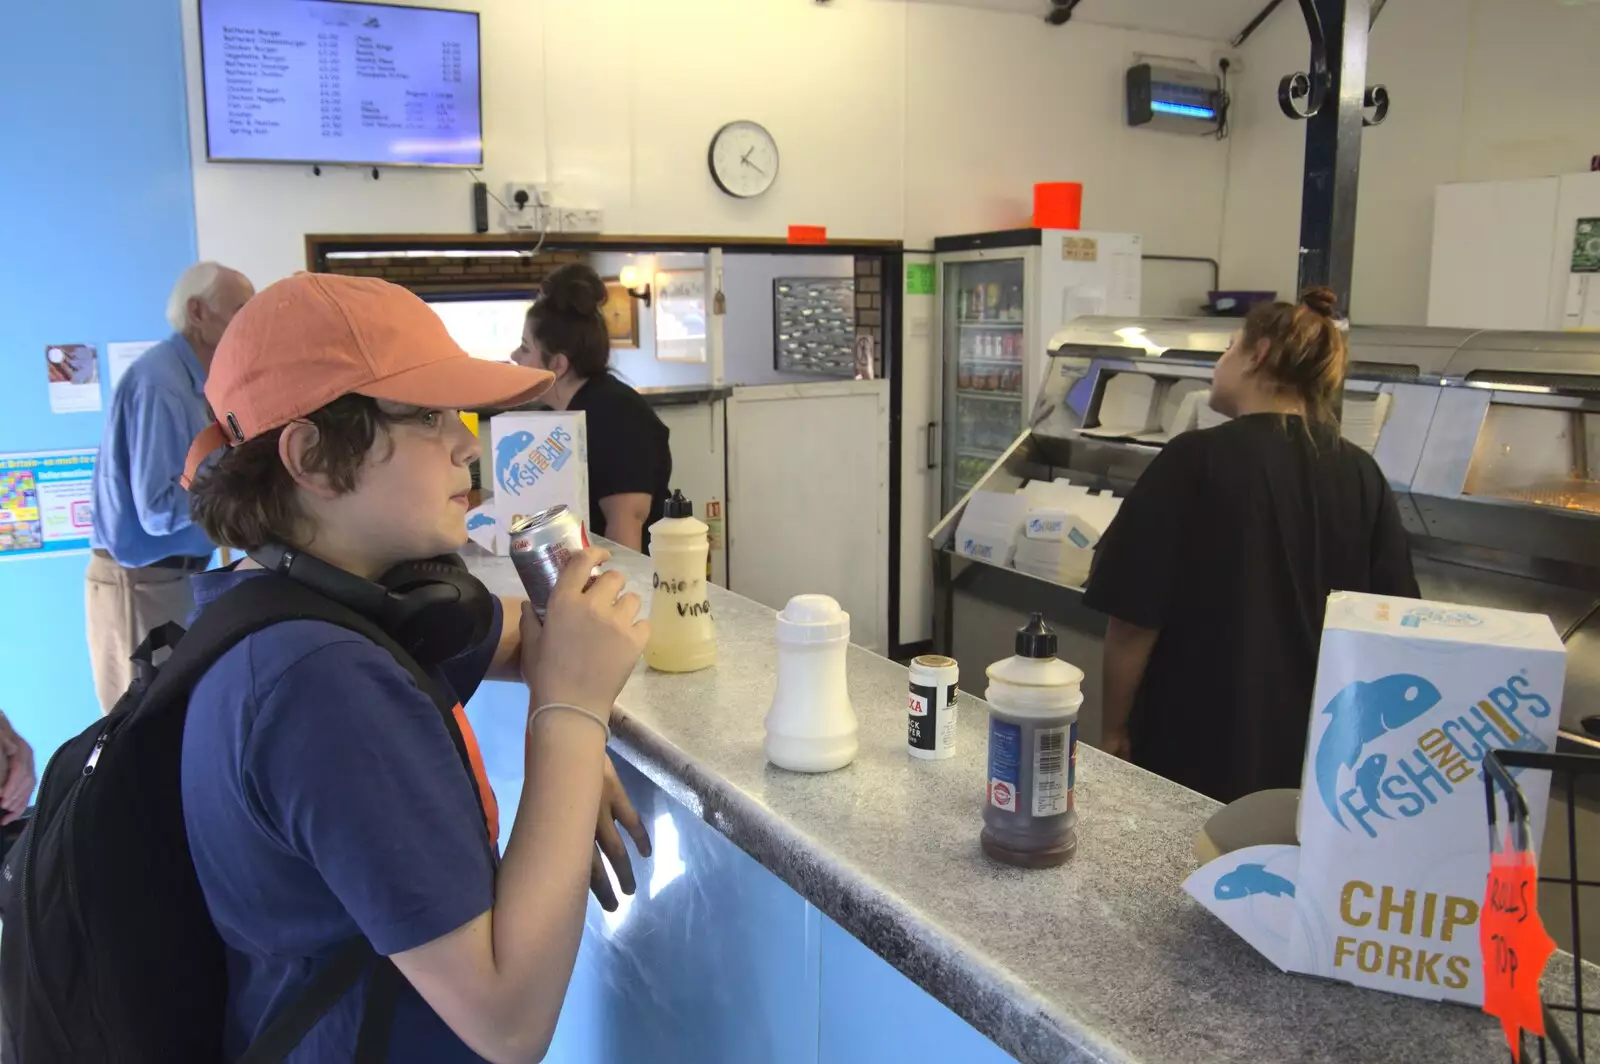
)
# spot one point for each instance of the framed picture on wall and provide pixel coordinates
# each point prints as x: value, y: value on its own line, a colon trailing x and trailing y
x: 814, y: 325
x: 681, y: 316
x: 622, y: 315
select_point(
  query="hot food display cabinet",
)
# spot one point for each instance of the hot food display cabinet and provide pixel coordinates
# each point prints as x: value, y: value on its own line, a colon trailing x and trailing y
x: 1491, y: 442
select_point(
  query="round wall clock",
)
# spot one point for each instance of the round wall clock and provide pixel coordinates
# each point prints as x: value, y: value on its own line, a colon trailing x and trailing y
x: 743, y: 159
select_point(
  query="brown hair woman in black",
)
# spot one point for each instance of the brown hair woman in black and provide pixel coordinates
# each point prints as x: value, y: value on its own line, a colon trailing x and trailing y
x: 1216, y: 571
x: 630, y: 461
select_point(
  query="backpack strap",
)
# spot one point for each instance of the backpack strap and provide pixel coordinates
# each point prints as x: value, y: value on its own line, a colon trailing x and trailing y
x: 268, y: 599
x: 256, y: 604
x: 383, y: 995
x: 290, y: 1027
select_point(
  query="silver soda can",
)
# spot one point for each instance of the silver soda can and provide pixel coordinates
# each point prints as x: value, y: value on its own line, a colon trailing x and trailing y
x: 541, y: 546
x: 931, y: 730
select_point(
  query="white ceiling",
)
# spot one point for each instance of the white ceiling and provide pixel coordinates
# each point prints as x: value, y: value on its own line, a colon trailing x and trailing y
x: 1213, y: 20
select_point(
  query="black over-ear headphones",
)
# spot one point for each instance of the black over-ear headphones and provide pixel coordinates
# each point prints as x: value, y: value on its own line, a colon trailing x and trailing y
x: 434, y: 609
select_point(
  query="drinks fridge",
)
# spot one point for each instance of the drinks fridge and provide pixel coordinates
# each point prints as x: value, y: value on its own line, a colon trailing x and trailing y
x: 1001, y: 297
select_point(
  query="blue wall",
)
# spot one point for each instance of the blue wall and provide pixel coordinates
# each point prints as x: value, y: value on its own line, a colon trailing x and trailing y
x: 96, y: 222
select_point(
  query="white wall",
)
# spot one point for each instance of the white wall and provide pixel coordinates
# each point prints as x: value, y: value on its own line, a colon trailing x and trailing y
x: 998, y: 102
x: 894, y: 120
x: 1482, y: 89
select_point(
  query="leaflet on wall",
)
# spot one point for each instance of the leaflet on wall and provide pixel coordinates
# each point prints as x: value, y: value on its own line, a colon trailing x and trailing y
x: 120, y: 356
x: 74, y: 374
x: 46, y: 502
x: 1586, y: 246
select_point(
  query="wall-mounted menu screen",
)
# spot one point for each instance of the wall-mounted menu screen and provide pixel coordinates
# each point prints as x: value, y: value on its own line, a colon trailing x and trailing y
x: 324, y: 81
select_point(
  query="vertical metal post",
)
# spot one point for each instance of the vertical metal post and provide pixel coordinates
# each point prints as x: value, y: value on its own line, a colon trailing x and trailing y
x: 1333, y: 151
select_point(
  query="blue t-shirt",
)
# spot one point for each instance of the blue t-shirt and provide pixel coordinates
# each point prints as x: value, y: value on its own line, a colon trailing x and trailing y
x: 324, y: 799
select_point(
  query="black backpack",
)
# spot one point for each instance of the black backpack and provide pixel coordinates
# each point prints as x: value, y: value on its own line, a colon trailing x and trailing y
x: 109, y: 953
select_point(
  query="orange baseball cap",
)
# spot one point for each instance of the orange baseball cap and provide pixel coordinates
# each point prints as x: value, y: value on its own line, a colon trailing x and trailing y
x: 311, y: 338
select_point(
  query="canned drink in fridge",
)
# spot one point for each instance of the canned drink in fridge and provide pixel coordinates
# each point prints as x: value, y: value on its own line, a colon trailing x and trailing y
x: 541, y: 546
x: 931, y: 732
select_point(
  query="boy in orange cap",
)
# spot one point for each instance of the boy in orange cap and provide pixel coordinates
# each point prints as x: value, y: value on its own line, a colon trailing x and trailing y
x: 323, y: 795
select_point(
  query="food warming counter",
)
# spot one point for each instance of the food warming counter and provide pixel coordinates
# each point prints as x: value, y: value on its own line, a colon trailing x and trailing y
x: 1490, y: 440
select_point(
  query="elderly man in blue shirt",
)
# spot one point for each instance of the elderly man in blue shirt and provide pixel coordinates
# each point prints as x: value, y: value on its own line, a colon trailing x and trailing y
x: 146, y: 546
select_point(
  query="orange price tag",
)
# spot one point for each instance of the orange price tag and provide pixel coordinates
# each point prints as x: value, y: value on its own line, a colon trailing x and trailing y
x: 1515, y: 946
x: 808, y: 234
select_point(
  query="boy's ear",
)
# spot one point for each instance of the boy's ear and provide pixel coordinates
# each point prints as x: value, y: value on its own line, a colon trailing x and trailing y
x: 294, y: 443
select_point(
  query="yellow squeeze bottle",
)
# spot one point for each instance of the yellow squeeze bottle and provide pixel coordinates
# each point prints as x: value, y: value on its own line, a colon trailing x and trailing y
x: 682, y: 635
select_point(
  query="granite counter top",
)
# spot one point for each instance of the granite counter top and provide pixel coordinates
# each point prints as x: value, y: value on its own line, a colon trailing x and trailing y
x: 1104, y: 959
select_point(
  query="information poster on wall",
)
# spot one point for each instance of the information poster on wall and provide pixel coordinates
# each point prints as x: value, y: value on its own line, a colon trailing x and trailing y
x: 74, y: 374
x: 919, y: 279
x: 1586, y: 246
x: 120, y: 356
x: 46, y: 501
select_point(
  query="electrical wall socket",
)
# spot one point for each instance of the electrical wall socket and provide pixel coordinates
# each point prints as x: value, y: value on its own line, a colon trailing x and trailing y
x: 522, y: 196
x: 528, y: 220
x: 580, y: 219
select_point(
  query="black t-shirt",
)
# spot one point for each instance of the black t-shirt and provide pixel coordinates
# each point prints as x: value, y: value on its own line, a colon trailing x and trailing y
x: 628, y: 449
x: 1229, y: 545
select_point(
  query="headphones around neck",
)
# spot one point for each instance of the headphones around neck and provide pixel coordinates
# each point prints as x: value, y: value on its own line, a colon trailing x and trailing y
x: 434, y: 609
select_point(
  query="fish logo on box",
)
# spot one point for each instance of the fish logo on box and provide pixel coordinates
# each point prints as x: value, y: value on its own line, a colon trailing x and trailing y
x: 1432, y: 766
x: 1251, y: 879
x: 477, y: 521
x: 519, y: 461
x: 973, y: 549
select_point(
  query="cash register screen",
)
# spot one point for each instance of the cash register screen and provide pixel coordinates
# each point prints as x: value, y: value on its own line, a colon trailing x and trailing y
x: 325, y: 81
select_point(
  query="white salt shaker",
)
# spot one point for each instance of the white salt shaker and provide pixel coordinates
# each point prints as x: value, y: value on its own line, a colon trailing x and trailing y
x: 811, y: 726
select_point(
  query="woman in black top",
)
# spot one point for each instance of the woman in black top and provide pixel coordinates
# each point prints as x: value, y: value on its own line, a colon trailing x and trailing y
x: 630, y: 463
x: 1216, y: 571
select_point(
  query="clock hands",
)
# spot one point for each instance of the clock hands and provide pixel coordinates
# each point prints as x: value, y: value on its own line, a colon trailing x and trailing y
x: 754, y: 148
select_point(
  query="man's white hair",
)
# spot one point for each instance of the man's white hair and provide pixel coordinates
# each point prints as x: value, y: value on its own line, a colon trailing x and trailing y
x: 199, y: 281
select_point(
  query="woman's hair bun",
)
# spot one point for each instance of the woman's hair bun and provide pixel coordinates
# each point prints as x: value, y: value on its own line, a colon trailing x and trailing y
x: 1321, y: 300
x: 574, y: 289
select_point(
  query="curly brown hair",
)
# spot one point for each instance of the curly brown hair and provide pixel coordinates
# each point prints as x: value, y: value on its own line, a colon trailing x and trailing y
x: 567, y: 319
x: 1306, y: 350
x: 246, y: 498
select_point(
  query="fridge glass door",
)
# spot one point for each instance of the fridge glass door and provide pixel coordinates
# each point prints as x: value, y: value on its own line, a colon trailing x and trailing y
x: 984, y: 323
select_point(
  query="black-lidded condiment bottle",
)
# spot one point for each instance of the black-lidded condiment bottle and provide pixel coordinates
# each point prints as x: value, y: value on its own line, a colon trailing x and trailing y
x: 1030, y: 819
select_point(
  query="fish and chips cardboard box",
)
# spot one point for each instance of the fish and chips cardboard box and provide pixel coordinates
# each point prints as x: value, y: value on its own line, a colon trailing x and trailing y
x: 1385, y: 886
x: 535, y: 460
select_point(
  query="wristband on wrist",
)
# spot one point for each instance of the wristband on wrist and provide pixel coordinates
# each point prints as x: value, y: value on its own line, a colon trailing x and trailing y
x: 591, y: 714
